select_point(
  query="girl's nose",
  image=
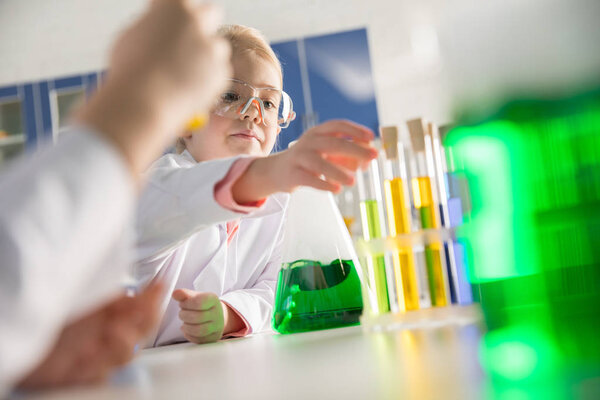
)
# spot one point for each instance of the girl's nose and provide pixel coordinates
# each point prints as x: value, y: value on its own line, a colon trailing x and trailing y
x: 252, y: 112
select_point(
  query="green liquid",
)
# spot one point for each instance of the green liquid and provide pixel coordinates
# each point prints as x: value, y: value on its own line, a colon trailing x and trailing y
x: 437, y: 289
x: 426, y: 214
x: 434, y: 251
x: 369, y: 211
x: 533, y: 237
x: 312, y: 296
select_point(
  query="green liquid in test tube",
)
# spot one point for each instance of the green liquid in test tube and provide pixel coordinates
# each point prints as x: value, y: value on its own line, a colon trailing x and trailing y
x: 371, y: 217
x: 369, y: 212
x: 433, y: 251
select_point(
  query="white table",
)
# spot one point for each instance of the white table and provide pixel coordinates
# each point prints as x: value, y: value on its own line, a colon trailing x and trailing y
x: 346, y: 363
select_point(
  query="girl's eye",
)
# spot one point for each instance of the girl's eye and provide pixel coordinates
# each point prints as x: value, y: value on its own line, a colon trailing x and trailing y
x: 271, y: 103
x: 230, y: 97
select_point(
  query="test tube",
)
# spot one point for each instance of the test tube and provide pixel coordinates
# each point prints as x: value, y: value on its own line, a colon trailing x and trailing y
x: 369, y: 193
x: 425, y: 200
x: 397, y: 202
x: 457, y: 184
x: 346, y: 203
x: 418, y: 248
x: 442, y: 195
x: 457, y: 204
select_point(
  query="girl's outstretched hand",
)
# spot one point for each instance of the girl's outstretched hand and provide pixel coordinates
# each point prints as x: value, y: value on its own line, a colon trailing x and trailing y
x: 325, y: 157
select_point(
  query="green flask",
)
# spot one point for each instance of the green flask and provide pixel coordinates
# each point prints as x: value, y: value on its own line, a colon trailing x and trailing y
x: 319, y: 285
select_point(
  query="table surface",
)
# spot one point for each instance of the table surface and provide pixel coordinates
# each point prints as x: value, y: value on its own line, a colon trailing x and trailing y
x: 345, y: 363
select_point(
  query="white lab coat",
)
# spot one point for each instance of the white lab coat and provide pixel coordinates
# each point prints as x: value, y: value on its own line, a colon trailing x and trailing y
x: 63, y: 219
x: 182, y: 239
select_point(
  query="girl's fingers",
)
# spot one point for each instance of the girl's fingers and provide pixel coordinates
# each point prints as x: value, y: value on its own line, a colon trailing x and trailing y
x: 306, y: 178
x: 182, y: 294
x: 204, y: 339
x: 342, y: 147
x: 199, y: 330
x: 195, y: 317
x: 344, y: 128
x: 320, y: 166
x: 195, y: 301
x: 351, y: 164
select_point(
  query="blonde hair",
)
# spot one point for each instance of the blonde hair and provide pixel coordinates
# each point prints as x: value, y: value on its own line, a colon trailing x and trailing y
x: 244, y: 39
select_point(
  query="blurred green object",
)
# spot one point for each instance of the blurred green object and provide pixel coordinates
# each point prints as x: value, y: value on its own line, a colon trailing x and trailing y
x: 533, y: 238
x: 312, y: 296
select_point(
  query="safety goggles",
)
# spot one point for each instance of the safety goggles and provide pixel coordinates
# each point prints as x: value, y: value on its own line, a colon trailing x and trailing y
x: 272, y: 106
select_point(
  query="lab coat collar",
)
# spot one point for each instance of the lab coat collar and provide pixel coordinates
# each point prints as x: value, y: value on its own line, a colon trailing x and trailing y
x: 188, y: 156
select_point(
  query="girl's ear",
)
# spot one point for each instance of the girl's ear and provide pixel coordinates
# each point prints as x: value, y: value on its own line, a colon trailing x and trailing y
x: 278, y: 130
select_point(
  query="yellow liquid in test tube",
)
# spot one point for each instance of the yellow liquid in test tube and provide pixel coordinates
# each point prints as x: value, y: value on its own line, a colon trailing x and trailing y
x: 403, y: 258
x: 349, y: 221
x: 433, y: 252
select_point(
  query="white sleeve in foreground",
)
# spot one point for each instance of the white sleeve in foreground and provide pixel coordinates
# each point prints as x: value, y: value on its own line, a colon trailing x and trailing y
x: 62, y: 211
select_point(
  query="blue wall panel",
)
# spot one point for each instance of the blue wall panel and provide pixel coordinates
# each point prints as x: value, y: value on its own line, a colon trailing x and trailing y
x: 287, y: 52
x: 341, y: 81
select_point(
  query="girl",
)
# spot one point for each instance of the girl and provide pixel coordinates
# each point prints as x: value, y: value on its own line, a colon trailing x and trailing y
x: 210, y: 222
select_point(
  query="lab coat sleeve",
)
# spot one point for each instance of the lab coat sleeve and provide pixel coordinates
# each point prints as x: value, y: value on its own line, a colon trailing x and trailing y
x: 63, y: 213
x: 177, y: 202
x: 255, y: 304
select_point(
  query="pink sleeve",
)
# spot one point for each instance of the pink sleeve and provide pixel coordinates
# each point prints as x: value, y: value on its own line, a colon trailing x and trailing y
x: 223, y: 194
x: 242, y: 332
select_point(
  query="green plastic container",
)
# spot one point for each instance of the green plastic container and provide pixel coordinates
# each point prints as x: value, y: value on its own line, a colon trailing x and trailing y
x: 312, y: 296
x: 533, y: 239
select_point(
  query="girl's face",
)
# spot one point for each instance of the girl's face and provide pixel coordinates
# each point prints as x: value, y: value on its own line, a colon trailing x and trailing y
x: 226, y: 137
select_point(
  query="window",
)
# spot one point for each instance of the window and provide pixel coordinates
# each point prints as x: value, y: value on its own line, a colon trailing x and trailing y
x: 63, y: 103
x: 12, y: 137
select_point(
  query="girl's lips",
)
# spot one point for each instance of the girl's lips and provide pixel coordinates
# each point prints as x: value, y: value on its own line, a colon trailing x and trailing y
x: 246, y: 134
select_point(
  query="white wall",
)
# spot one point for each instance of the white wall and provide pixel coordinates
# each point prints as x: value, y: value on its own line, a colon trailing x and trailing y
x: 44, y: 38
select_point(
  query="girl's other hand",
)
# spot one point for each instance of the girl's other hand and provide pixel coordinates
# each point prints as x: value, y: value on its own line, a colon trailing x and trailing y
x: 202, y: 315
